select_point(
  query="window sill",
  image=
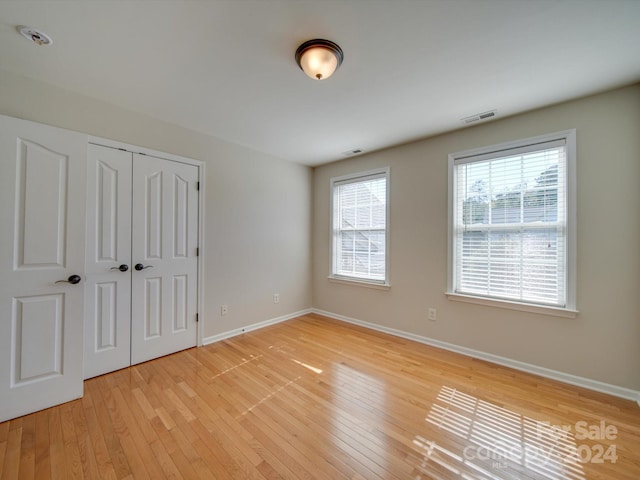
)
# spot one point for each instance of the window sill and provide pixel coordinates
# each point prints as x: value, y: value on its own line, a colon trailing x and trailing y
x: 360, y: 283
x: 523, y: 307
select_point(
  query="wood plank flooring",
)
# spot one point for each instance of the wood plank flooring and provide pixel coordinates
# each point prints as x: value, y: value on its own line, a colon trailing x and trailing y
x: 314, y: 398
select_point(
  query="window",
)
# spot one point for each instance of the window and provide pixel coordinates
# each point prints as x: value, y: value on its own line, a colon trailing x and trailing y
x: 512, y: 222
x: 359, y: 227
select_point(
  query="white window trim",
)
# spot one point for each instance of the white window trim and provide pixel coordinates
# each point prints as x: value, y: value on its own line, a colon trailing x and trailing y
x: 358, y: 282
x: 363, y: 282
x: 570, y: 310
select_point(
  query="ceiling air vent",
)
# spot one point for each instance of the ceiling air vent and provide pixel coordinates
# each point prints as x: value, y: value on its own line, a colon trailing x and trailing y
x: 351, y: 153
x: 479, y: 117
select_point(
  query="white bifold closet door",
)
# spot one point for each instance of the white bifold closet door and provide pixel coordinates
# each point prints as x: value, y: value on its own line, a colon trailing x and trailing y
x: 164, y: 254
x: 142, y: 234
x: 107, y: 330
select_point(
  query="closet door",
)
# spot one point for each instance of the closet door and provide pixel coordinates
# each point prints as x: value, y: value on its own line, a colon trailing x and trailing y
x: 164, y: 257
x: 108, y: 262
x: 42, y: 242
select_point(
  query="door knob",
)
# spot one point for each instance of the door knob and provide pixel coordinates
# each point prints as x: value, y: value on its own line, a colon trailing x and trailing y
x: 140, y: 266
x: 123, y: 268
x: 73, y: 279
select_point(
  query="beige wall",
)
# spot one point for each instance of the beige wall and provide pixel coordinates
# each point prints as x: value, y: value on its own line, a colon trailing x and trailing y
x: 258, y: 208
x: 603, y: 342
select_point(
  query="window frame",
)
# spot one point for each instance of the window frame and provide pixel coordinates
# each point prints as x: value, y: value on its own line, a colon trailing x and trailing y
x: 354, y: 178
x: 570, y: 308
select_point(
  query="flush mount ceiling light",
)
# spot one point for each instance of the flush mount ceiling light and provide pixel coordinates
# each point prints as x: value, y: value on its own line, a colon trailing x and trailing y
x: 39, y: 38
x: 319, y: 58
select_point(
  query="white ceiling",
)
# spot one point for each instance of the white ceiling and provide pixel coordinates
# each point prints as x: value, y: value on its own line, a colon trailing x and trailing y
x: 411, y: 69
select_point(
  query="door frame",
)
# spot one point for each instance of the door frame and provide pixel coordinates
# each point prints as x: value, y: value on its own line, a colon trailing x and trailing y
x: 201, y: 216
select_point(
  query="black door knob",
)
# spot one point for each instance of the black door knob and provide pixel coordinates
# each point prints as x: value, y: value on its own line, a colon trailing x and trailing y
x: 73, y: 279
x: 123, y: 268
x: 140, y: 266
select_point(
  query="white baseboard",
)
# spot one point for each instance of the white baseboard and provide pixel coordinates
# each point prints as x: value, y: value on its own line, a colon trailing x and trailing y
x: 255, y: 326
x: 598, y: 386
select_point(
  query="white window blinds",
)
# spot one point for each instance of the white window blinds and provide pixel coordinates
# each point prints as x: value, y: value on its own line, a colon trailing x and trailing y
x: 510, y: 224
x: 360, y: 227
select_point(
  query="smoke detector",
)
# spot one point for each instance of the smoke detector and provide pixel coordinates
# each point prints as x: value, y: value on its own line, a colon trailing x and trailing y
x: 36, y: 36
x: 479, y: 117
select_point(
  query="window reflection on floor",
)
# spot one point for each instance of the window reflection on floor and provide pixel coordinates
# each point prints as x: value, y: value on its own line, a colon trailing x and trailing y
x: 478, y: 440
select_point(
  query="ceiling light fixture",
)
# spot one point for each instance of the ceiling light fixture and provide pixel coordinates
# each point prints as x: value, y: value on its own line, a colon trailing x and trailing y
x: 319, y: 58
x: 39, y: 38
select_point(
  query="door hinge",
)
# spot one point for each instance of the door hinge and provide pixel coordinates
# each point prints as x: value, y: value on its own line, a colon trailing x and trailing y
x: 198, y: 186
x: 197, y: 251
x: 197, y: 317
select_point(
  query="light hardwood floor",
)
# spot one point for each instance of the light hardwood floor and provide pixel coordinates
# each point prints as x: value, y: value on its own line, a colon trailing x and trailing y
x: 314, y: 398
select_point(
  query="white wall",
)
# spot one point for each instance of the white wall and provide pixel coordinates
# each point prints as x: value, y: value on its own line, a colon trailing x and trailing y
x: 602, y: 343
x: 258, y: 208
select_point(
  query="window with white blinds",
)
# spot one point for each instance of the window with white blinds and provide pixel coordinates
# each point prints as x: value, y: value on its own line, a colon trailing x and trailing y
x: 359, y: 226
x: 511, y: 222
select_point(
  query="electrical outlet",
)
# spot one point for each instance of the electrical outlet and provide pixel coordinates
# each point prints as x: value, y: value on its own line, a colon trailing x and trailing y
x: 224, y: 309
x: 276, y: 298
x: 432, y: 314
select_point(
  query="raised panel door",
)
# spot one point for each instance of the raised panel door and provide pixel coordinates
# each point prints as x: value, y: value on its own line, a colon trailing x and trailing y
x: 42, y: 245
x: 108, y: 261
x: 164, y: 254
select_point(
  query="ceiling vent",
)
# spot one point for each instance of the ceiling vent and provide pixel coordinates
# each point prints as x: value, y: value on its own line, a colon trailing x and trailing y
x: 351, y: 153
x: 479, y: 117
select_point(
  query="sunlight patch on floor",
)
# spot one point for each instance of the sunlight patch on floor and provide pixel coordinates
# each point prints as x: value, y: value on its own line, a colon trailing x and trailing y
x: 313, y: 369
x: 483, y: 441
